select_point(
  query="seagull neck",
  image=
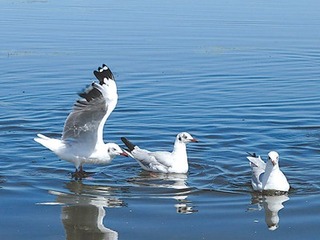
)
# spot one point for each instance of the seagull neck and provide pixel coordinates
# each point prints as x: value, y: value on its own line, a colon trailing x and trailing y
x: 179, y: 154
x: 270, y: 168
x: 179, y: 147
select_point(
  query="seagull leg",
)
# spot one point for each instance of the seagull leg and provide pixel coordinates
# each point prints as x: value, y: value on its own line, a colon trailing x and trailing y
x: 83, y: 173
x: 79, y: 174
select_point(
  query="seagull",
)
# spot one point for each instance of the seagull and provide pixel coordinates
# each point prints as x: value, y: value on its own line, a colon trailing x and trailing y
x: 82, y: 137
x: 267, y: 176
x: 164, y: 162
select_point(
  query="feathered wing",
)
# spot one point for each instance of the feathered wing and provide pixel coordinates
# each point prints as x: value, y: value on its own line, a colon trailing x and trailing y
x: 163, y: 158
x: 86, y: 121
x: 154, y: 161
x: 257, y: 162
x: 83, y: 122
x: 258, y: 167
x: 142, y: 156
x: 103, y: 73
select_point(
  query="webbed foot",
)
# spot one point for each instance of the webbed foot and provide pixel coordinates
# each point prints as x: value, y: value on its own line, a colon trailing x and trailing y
x: 79, y: 174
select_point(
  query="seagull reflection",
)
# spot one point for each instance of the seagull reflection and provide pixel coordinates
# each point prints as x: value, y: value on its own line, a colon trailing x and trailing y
x: 83, y: 211
x: 272, y: 204
x: 171, y: 186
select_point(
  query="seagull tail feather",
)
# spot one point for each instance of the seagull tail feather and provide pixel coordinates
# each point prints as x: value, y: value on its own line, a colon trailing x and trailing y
x: 50, y: 143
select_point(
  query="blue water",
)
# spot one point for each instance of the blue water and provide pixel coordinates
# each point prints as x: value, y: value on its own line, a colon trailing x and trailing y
x: 239, y: 76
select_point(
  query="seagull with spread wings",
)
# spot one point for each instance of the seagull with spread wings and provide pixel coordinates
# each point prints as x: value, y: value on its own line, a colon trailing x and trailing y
x: 82, y: 137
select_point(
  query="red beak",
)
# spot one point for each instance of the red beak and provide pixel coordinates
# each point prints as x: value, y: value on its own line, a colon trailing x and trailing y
x: 124, y: 154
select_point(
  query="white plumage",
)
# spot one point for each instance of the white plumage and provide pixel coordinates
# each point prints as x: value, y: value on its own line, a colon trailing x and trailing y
x: 160, y: 161
x: 82, y: 137
x: 267, y: 176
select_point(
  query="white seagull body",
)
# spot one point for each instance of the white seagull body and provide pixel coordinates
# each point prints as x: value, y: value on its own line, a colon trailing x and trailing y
x: 267, y: 176
x: 82, y: 137
x: 160, y: 161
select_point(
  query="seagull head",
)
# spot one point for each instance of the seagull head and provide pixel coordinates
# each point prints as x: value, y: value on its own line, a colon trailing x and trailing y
x: 273, y: 157
x: 185, y: 137
x: 114, y: 150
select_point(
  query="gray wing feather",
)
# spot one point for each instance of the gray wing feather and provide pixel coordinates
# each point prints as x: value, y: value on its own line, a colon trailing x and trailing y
x: 83, y: 122
x: 258, y: 167
x: 153, y: 160
x: 257, y: 161
x: 163, y: 158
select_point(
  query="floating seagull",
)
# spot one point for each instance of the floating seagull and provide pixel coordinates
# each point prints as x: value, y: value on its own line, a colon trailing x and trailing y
x: 165, y: 162
x: 82, y: 137
x: 267, y: 176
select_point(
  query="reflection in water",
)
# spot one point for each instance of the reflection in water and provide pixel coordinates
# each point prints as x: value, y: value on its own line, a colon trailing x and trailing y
x: 161, y: 181
x: 84, y: 211
x: 85, y: 222
x: 272, y: 204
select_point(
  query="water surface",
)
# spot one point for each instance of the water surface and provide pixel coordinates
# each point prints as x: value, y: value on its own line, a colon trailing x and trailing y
x: 238, y: 76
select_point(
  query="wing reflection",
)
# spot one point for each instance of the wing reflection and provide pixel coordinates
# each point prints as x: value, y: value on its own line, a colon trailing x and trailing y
x: 83, y: 211
x: 271, y: 204
x: 171, y: 186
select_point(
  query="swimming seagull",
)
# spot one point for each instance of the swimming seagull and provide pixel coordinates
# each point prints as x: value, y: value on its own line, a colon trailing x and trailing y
x: 267, y: 176
x: 164, y: 162
x: 82, y: 137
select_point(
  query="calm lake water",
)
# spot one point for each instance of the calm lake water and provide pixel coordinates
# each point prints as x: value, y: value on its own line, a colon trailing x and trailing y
x: 238, y: 75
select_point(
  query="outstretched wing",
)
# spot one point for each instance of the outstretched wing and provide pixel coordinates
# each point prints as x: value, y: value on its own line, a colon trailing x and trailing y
x: 85, y: 122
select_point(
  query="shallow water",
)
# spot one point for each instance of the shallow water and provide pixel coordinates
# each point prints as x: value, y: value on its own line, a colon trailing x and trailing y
x: 238, y: 76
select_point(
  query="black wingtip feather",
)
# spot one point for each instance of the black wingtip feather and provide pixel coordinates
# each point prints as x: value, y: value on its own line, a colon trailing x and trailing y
x: 90, y: 94
x: 102, y: 73
x: 252, y: 154
x: 129, y: 144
